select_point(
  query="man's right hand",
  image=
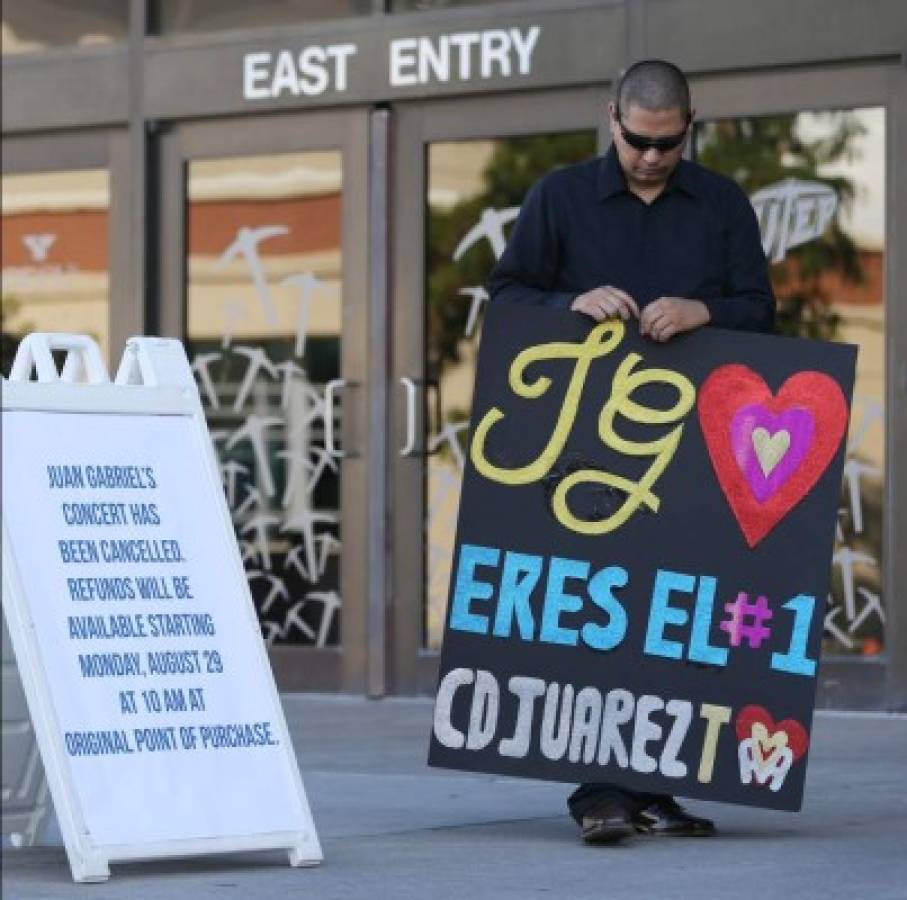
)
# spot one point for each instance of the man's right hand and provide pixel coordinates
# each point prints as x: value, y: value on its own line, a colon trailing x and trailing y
x: 606, y: 303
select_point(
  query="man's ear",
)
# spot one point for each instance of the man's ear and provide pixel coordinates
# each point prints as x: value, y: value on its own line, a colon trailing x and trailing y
x: 612, y: 114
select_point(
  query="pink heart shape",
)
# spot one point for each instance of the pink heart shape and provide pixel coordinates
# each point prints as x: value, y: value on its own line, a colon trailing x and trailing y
x: 799, y: 424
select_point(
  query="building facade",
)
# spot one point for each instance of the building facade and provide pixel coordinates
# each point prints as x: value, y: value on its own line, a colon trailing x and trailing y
x: 310, y: 194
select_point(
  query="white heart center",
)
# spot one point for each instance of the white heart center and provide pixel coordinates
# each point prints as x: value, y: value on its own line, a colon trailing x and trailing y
x: 770, y: 448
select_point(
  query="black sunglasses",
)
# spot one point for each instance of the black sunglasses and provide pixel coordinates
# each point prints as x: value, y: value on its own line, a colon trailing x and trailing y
x: 642, y: 142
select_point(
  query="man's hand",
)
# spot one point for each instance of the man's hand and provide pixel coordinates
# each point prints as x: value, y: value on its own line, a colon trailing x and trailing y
x: 667, y: 316
x: 606, y: 303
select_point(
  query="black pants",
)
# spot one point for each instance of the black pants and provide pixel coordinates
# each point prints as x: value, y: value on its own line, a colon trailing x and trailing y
x: 587, y: 796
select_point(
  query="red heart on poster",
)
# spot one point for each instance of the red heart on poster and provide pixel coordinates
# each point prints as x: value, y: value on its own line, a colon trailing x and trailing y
x: 757, y: 723
x: 769, y: 450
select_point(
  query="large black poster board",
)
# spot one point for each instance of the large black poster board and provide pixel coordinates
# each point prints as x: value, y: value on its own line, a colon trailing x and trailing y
x: 642, y: 557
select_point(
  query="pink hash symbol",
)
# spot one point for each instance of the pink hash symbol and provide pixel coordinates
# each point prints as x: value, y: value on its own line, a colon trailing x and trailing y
x: 747, y: 620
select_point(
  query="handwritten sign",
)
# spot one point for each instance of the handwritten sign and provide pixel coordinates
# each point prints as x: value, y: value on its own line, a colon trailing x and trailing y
x: 642, y: 557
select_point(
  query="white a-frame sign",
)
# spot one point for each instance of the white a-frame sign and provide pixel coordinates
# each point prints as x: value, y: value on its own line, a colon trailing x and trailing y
x: 153, y: 704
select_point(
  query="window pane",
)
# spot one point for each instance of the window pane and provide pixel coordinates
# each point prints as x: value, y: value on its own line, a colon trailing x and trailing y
x: 175, y: 16
x: 263, y: 309
x: 55, y: 268
x: 475, y: 189
x: 817, y: 181
x: 30, y: 25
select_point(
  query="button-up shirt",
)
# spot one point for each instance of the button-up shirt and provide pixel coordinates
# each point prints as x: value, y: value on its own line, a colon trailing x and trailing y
x: 580, y: 227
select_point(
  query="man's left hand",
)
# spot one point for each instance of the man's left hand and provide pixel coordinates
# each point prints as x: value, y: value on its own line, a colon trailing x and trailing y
x: 667, y: 316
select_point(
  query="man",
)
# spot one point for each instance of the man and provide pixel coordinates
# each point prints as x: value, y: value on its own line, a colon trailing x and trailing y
x: 644, y: 235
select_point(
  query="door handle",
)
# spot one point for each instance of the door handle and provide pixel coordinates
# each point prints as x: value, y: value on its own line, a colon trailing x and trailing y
x: 409, y: 447
x: 330, y: 391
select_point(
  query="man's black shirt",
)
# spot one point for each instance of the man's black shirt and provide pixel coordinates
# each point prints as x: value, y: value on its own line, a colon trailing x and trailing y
x: 581, y: 228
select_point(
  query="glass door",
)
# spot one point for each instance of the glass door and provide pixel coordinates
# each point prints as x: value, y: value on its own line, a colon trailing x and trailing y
x: 63, y: 268
x: 64, y: 258
x: 811, y: 151
x: 461, y: 170
x: 264, y: 269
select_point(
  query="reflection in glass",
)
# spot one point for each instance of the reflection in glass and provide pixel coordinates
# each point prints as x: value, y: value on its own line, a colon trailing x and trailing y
x: 475, y: 189
x: 263, y: 328
x: 175, y: 16
x: 431, y: 5
x: 55, y: 256
x: 31, y: 25
x: 817, y: 182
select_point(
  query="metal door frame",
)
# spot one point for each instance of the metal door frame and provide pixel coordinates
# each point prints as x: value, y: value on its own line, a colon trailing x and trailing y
x: 341, y: 668
x: 412, y: 668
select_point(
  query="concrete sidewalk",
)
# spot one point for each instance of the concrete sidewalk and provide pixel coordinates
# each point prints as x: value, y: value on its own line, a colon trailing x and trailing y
x: 392, y: 828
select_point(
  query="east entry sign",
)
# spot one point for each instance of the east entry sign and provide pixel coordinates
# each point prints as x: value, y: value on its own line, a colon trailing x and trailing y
x: 642, y: 557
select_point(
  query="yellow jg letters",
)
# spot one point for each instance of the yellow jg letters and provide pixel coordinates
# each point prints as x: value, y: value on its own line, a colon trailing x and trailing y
x: 601, y: 341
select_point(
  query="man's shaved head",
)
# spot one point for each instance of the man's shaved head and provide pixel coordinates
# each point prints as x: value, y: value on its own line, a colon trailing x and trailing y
x: 653, y: 84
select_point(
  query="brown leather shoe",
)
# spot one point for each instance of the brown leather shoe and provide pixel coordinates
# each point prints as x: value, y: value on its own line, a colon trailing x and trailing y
x: 667, y: 817
x: 608, y: 823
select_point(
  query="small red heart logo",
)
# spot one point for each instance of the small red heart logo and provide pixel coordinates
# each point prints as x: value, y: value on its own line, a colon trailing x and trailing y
x: 797, y: 738
x: 769, y: 450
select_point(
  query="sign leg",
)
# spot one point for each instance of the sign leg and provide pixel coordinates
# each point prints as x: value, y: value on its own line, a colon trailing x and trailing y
x: 88, y: 868
x: 306, y: 852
